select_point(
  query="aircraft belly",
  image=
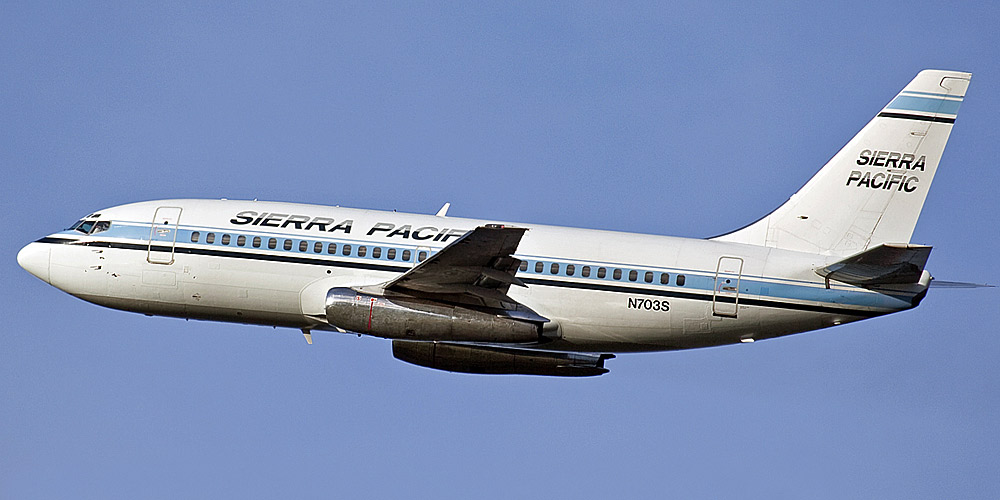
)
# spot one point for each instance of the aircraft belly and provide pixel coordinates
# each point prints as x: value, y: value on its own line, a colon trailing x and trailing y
x: 194, y: 287
x: 593, y: 320
x: 603, y: 321
x: 258, y: 292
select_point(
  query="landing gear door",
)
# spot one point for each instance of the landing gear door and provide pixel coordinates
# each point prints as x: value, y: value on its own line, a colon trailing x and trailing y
x: 163, y: 235
x: 726, y: 298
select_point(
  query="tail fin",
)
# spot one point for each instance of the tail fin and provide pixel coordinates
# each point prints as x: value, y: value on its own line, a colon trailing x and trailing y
x: 870, y: 192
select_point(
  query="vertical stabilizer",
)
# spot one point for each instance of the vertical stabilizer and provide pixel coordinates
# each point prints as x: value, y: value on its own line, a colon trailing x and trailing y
x: 870, y: 192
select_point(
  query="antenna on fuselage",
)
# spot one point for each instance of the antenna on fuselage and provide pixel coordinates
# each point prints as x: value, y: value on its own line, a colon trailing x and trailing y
x: 444, y: 210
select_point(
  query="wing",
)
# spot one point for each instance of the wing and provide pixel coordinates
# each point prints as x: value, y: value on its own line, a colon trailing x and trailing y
x: 477, y: 269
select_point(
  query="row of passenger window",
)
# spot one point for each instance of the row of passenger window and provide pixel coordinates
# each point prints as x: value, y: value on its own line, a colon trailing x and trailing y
x: 405, y: 255
x: 602, y: 272
x: 315, y: 247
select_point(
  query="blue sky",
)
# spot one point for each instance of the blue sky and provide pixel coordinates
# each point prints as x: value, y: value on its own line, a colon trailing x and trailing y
x: 683, y: 119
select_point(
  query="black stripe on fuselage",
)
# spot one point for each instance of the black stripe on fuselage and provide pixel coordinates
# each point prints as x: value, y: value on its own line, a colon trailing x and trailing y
x: 530, y: 281
x: 64, y: 241
x: 924, y: 118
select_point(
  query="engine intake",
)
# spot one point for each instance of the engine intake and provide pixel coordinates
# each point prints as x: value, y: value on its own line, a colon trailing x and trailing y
x: 402, y: 317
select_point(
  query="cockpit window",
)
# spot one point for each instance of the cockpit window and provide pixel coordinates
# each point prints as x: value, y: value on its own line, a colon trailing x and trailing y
x: 91, y: 226
x: 84, y: 226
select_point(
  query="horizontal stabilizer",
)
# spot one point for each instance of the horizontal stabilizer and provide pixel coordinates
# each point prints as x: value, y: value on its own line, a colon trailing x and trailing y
x: 885, y: 264
x: 959, y: 284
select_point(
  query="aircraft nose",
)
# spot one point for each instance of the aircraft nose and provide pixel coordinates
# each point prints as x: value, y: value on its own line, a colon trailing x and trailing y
x: 34, y: 258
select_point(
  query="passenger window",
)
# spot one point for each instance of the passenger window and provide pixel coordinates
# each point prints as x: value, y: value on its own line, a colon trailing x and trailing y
x: 633, y: 275
x: 664, y: 278
x: 585, y: 272
x: 601, y: 272
x: 331, y: 248
x: 287, y: 245
x: 680, y: 280
x: 241, y: 240
x: 391, y: 254
x: 347, y: 250
x: 272, y: 243
x: 210, y: 238
x: 648, y: 277
x: 376, y: 252
x: 570, y: 269
x: 523, y: 266
x: 539, y: 267
x: 317, y: 247
x: 225, y: 239
x: 256, y: 241
x: 362, y: 251
x: 422, y: 256
x: 617, y: 274
x: 303, y: 246
x: 194, y: 236
x: 554, y: 268
x: 406, y: 255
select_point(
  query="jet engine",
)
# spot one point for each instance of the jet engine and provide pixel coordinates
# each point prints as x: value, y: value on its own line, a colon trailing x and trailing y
x: 498, y: 360
x: 410, y: 318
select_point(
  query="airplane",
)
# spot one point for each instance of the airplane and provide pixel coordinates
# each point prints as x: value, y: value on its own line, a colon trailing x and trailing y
x: 492, y: 297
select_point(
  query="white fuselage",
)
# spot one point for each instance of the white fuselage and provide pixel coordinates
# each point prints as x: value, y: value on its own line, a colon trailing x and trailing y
x: 271, y: 264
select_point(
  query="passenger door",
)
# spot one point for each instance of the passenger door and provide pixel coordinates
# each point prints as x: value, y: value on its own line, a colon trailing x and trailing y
x: 163, y: 235
x: 726, y: 297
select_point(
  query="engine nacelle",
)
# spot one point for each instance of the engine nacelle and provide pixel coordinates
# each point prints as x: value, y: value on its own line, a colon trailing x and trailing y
x: 498, y: 360
x: 402, y: 317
